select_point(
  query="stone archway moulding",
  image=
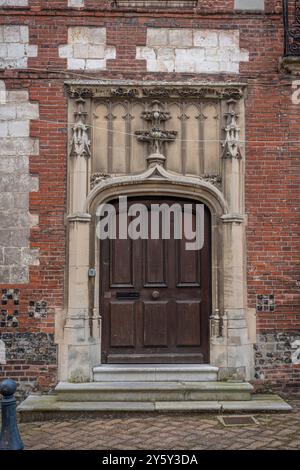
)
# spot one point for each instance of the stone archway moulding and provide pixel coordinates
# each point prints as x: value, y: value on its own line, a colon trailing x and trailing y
x: 78, y: 328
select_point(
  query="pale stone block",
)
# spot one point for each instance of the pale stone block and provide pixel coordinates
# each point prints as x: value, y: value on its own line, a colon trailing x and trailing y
x: 180, y: 37
x: 66, y: 51
x: 229, y: 39
x: 1, y: 33
x: 15, y: 51
x: 31, y: 51
x: 14, y: 3
x: 21, y: 201
x: 244, y: 56
x: 4, y: 274
x: 3, y: 50
x: 24, y: 34
x: 229, y: 67
x: 76, y: 64
x: 80, y: 51
x: 3, y: 129
x: 12, y: 256
x: 12, y: 33
x: 213, y: 53
x: 157, y: 37
x: 76, y: 3
x: 17, y: 96
x: 27, y: 111
x: 145, y: 53
x: 6, y: 203
x: 166, y: 59
x: 183, y: 62
x: 78, y: 35
x: 204, y: 38
x: 3, y: 93
x: 18, y: 146
x: 110, y: 52
x: 249, y: 5
x: 30, y: 257
x: 152, y: 65
x: 20, y: 63
x: 18, y: 275
x: 207, y: 67
x: 7, y: 111
x: 18, y: 128
x: 96, y: 51
x: 96, y: 64
x: 97, y: 35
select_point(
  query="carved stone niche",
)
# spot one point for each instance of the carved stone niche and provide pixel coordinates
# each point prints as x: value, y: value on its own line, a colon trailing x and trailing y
x: 155, y: 3
x: 179, y: 125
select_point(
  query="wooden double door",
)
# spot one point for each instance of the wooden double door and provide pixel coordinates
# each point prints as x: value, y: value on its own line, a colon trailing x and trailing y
x: 155, y: 297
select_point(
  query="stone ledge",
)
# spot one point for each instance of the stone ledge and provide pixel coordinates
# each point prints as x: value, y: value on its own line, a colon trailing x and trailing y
x: 42, y: 408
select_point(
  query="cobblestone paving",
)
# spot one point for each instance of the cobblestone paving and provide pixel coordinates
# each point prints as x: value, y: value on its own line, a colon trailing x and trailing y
x: 164, y: 431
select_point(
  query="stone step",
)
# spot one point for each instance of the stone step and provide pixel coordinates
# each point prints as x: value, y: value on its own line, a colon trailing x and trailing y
x: 45, y: 407
x: 153, y: 391
x: 152, y: 373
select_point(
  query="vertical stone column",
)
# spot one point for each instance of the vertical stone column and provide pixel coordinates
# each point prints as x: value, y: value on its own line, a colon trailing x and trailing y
x: 80, y: 349
x: 239, y: 350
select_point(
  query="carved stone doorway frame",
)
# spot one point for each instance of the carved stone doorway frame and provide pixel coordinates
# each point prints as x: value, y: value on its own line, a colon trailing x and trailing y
x: 78, y: 326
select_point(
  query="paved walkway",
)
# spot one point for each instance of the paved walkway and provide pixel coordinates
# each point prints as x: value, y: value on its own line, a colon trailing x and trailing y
x: 165, y: 431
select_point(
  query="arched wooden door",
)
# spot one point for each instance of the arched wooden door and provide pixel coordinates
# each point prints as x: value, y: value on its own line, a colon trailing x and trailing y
x: 155, y: 297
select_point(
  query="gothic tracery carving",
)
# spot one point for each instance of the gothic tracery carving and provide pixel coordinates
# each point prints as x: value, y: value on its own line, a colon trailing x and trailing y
x: 232, y: 130
x: 80, y: 144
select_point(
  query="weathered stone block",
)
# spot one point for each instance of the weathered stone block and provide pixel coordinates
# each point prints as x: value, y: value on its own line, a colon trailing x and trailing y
x: 157, y: 37
x: 180, y: 37
x: 196, y: 51
x: 6, y: 201
x: 18, y: 128
x: 4, y: 275
x: 13, y: 3
x: 205, y: 38
x: 86, y: 48
x: 76, y: 3
x: 18, y: 275
x: 249, y: 5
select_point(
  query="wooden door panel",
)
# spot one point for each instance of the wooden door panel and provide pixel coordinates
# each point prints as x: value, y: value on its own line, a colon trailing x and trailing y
x: 122, y: 324
x: 121, y: 263
x: 155, y: 324
x: 155, y: 261
x: 188, y: 323
x: 188, y: 266
x: 173, y: 328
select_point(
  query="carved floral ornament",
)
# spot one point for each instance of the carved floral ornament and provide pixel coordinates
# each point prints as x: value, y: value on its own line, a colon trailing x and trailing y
x: 104, y: 90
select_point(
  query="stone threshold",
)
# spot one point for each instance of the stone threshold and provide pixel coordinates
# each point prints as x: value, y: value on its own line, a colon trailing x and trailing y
x: 45, y: 407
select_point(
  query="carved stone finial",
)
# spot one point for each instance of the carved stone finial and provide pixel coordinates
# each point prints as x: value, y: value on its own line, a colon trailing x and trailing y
x: 156, y: 136
x: 232, y: 141
x: 80, y: 143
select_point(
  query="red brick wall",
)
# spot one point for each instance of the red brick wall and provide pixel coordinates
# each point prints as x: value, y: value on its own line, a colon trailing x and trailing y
x: 272, y: 174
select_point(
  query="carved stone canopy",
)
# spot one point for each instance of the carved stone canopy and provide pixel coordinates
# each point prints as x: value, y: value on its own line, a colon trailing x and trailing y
x: 134, y: 89
x: 186, y: 127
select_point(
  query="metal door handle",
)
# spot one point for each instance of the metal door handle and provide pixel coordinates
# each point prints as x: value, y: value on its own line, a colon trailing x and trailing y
x: 155, y: 294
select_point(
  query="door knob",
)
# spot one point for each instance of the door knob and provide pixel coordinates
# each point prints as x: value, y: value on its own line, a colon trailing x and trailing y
x: 155, y: 294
